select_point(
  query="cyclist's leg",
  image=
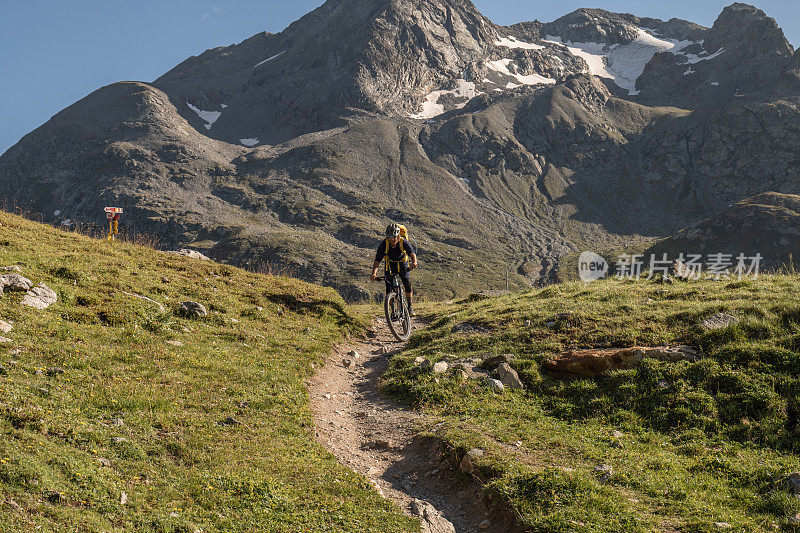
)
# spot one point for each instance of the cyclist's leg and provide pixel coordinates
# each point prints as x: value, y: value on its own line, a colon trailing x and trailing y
x: 406, y: 278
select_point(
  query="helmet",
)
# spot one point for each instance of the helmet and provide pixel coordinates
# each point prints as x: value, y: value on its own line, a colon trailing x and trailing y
x: 393, y: 230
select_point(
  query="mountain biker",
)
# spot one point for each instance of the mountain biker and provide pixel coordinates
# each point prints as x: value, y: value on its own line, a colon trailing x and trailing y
x: 397, y: 252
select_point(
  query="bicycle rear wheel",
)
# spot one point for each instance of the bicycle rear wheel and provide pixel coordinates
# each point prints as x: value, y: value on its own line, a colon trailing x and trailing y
x: 397, y: 317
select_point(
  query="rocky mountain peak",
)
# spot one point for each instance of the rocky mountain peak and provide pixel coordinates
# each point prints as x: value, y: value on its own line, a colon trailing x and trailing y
x: 745, y: 27
x: 592, y: 25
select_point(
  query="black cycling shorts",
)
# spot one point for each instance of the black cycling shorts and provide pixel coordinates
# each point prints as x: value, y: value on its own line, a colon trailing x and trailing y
x: 405, y: 277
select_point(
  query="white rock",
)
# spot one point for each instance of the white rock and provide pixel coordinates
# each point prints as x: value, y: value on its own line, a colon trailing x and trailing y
x: 486, y: 524
x: 175, y: 343
x: 193, y: 254
x: 123, y: 498
x: 720, y: 321
x: 440, y: 367
x: 4, y: 340
x: 40, y: 297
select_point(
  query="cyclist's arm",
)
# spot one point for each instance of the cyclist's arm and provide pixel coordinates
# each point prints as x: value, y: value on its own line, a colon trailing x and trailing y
x: 413, y: 257
x: 375, y: 266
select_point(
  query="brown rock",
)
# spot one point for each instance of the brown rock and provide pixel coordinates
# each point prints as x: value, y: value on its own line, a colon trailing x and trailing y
x: 600, y: 361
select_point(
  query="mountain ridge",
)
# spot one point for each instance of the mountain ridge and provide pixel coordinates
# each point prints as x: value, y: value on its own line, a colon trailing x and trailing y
x: 502, y: 149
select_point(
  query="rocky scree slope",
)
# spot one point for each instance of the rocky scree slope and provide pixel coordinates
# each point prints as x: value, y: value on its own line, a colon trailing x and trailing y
x: 766, y: 224
x: 503, y: 148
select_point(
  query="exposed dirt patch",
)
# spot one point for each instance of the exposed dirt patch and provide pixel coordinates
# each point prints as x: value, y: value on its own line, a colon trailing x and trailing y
x: 373, y: 435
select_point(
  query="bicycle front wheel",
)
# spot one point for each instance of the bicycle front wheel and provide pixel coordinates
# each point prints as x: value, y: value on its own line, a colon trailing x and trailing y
x: 397, y: 316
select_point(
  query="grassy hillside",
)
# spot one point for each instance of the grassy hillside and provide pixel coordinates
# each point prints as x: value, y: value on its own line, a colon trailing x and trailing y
x: 116, y: 416
x: 694, y: 446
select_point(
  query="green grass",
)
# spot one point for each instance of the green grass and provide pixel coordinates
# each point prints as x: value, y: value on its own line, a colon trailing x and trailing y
x: 65, y: 460
x: 702, y: 442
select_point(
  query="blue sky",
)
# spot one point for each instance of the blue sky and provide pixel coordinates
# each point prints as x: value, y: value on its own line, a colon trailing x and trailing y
x: 55, y: 53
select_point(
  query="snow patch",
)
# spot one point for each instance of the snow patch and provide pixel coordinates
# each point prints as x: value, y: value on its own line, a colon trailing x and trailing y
x: 249, y: 142
x: 67, y: 222
x: 715, y: 83
x: 501, y: 66
x: 269, y: 59
x: 223, y: 106
x: 696, y: 58
x: 513, y: 42
x: 56, y: 212
x: 209, y: 116
x: 622, y: 63
x: 431, y: 106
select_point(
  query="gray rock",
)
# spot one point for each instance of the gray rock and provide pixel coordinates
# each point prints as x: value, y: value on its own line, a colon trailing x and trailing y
x: 440, y: 367
x: 5, y: 340
x: 40, y: 297
x: 5, y: 327
x: 495, y: 385
x: 720, y: 321
x: 794, y: 482
x: 431, y: 520
x: 419, y: 360
x: 119, y: 440
x: 15, y: 282
x: 192, y: 310
x: 509, y: 377
x: 486, y: 524
x: 11, y: 268
x: 679, y: 270
x: 354, y: 354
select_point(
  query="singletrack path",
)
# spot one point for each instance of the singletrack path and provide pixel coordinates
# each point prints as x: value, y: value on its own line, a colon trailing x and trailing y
x: 374, y: 436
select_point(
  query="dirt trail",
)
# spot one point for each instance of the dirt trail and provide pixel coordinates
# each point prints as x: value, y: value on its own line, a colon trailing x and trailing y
x: 372, y: 435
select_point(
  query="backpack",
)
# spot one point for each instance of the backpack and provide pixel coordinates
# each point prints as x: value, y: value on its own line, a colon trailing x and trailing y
x: 404, y: 257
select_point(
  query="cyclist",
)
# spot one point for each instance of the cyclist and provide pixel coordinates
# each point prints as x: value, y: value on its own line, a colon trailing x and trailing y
x: 397, y: 252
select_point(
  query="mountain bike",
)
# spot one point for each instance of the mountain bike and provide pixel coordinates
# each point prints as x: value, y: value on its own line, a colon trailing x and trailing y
x: 395, y: 307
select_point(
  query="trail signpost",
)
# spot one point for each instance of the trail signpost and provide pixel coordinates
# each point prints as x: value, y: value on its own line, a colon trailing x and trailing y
x: 112, y: 214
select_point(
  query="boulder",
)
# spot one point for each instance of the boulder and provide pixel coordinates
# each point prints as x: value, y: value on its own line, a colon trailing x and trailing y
x: 40, y: 297
x: 5, y: 327
x: 15, y: 282
x: 590, y: 363
x: 11, y: 268
x: 431, y: 520
x: 192, y: 310
x: 193, y: 254
x: 509, y: 377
